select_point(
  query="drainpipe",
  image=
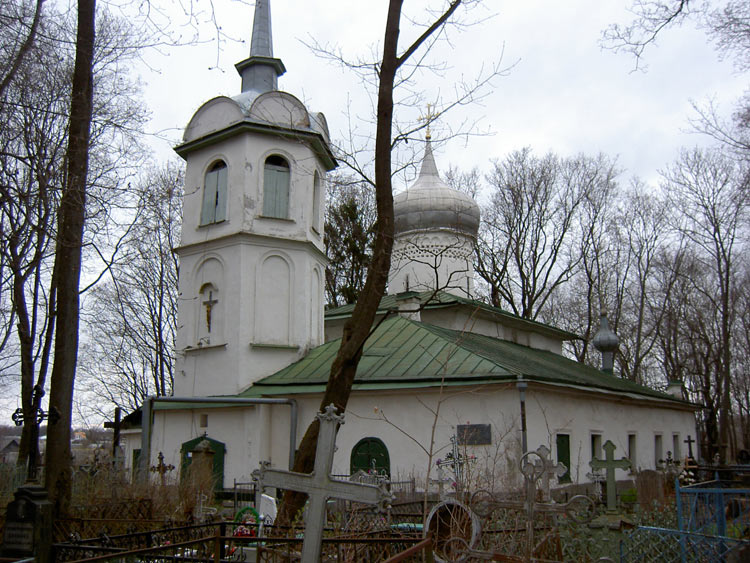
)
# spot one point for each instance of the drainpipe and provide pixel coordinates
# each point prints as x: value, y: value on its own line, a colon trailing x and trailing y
x: 522, y: 386
x: 148, y: 407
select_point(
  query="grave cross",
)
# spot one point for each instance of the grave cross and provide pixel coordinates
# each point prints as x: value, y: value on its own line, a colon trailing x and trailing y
x: 161, y: 468
x: 320, y: 486
x: 610, y: 464
x: 549, y: 469
x: 39, y: 416
x: 690, y: 441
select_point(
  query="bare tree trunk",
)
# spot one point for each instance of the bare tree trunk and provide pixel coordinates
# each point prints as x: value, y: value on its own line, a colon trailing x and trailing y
x: 67, y: 269
x: 359, y: 325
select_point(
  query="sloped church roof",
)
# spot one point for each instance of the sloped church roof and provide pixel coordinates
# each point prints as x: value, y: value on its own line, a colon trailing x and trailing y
x: 406, y: 354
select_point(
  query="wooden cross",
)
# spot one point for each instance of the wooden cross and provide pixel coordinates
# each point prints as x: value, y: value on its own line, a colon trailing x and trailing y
x: 320, y: 486
x: 690, y: 441
x: 209, y: 304
x: 610, y: 464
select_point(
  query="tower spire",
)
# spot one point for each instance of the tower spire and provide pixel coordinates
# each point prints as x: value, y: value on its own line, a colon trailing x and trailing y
x: 261, y: 70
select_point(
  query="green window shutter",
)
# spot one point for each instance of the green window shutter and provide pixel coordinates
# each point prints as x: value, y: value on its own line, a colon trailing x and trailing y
x: 221, y: 194
x: 275, y: 191
x: 563, y: 455
x: 208, y: 211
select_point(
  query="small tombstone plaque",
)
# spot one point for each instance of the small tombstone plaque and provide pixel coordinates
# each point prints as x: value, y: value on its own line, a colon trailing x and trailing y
x: 28, y: 524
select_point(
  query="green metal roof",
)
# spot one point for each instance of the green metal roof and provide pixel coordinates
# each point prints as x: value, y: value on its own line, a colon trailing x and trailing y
x: 403, y: 354
x: 440, y: 299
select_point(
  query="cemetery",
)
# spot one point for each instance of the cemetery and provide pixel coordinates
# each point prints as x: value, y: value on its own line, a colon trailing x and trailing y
x: 466, y: 432
x: 685, y: 511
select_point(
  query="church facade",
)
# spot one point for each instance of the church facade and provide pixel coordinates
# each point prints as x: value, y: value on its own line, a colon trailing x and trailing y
x: 442, y: 373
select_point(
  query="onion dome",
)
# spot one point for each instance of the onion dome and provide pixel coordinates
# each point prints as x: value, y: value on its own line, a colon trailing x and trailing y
x: 430, y: 204
x: 605, y: 340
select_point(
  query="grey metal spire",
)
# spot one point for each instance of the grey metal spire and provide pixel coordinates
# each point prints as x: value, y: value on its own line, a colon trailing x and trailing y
x: 260, y: 71
x: 429, y: 168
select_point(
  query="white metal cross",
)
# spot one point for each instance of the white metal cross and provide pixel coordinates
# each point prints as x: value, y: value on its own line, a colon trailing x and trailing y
x: 320, y: 486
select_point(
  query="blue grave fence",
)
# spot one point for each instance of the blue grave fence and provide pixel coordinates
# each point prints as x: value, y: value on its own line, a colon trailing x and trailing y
x: 713, y: 508
x: 646, y: 544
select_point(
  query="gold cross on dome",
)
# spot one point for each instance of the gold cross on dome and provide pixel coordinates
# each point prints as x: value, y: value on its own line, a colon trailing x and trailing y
x: 428, y: 118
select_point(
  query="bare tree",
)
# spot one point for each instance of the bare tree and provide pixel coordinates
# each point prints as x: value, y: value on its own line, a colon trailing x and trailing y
x: 67, y: 269
x: 134, y: 313
x: 526, y: 251
x: 359, y: 325
x: 711, y: 193
x: 19, y: 22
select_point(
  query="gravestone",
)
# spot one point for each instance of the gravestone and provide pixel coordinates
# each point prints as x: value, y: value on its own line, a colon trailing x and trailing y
x: 610, y: 464
x: 320, y: 486
x: 650, y: 487
x: 28, y: 525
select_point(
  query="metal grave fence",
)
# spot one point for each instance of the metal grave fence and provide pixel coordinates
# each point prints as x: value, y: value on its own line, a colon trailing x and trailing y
x: 713, y: 508
x: 647, y: 544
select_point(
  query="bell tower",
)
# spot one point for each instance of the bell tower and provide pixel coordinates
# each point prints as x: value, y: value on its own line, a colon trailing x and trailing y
x: 252, y: 258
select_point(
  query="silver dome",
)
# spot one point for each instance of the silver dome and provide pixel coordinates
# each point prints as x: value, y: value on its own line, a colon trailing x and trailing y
x: 430, y: 204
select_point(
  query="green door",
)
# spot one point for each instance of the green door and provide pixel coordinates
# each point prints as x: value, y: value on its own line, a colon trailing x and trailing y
x: 370, y: 454
x: 563, y: 455
x: 219, y: 452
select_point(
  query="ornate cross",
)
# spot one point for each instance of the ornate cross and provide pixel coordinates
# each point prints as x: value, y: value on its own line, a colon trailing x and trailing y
x: 161, y: 468
x: 690, y: 441
x: 53, y: 415
x: 209, y: 304
x: 320, y: 486
x: 428, y: 118
x: 610, y: 464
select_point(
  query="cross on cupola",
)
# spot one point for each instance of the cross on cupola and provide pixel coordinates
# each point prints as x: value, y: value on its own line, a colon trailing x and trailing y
x: 428, y: 118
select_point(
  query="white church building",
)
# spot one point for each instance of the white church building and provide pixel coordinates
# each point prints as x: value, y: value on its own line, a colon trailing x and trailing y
x: 255, y: 344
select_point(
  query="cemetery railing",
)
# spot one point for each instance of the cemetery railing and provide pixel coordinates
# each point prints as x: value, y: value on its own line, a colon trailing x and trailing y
x: 647, y: 543
x: 713, y: 508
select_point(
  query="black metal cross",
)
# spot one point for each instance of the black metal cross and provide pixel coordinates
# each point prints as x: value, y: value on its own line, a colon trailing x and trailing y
x: 53, y: 415
x: 690, y: 441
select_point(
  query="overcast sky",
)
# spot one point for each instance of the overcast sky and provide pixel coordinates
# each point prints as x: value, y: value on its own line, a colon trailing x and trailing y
x: 562, y: 91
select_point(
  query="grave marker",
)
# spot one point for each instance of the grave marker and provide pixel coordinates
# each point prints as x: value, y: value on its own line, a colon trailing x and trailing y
x: 610, y: 464
x: 549, y: 469
x: 320, y: 486
x: 28, y: 525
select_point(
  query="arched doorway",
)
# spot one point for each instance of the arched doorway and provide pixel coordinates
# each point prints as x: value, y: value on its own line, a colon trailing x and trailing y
x: 219, y: 450
x: 369, y: 454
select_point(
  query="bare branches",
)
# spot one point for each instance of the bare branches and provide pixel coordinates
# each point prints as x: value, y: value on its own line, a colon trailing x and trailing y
x: 651, y: 17
x: 14, y: 64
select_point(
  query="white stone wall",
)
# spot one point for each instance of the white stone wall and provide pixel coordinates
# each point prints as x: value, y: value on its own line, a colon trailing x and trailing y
x: 268, y: 273
x: 435, y: 259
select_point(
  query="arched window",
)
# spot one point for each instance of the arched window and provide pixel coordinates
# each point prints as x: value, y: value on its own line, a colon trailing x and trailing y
x: 370, y: 454
x: 214, y: 208
x: 276, y: 175
x: 316, y: 202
